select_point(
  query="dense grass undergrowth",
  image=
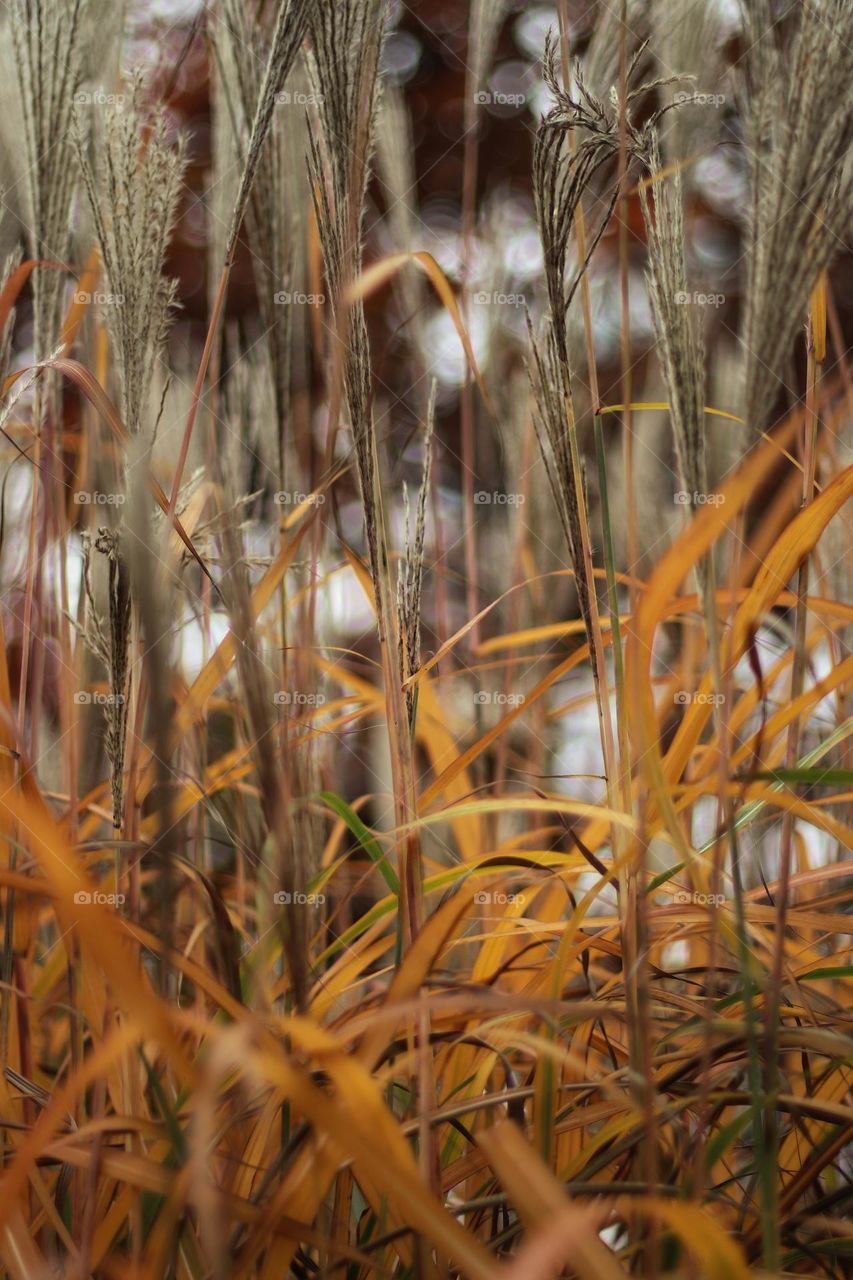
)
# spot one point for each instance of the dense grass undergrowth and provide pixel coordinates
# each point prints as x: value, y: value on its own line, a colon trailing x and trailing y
x: 425, y: 795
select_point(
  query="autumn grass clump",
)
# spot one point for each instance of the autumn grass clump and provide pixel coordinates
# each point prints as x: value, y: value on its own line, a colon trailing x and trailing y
x: 425, y: 813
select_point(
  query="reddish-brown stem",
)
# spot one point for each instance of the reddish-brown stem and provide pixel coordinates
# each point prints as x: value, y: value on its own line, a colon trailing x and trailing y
x: 198, y: 388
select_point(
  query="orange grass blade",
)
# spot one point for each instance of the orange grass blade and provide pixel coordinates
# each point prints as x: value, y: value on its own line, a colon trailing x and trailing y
x: 381, y: 272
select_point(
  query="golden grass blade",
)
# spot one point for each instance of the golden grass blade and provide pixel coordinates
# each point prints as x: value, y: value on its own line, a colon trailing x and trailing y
x: 20, y: 1253
x: 380, y: 273
x: 702, y: 1238
x: 673, y: 569
x: 452, y: 978
x: 452, y: 772
x: 101, y: 934
x: 559, y: 1231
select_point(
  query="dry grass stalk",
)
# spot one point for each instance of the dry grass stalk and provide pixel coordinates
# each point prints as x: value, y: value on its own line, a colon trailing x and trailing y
x: 485, y: 21
x: 46, y: 39
x: 677, y: 325
x: 410, y: 577
x: 287, y: 36
x: 395, y: 154
x: 688, y: 37
x: 487, y: 18
x: 577, y: 141
x: 346, y: 45
x: 138, y: 572
x: 288, y: 33
x: 561, y: 177
x: 346, y: 48
x: 798, y: 113
x: 46, y: 36
x: 601, y: 61
x: 272, y: 213
x: 284, y: 857
x: 212, y: 1132
x: 133, y: 196
x: 133, y: 190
